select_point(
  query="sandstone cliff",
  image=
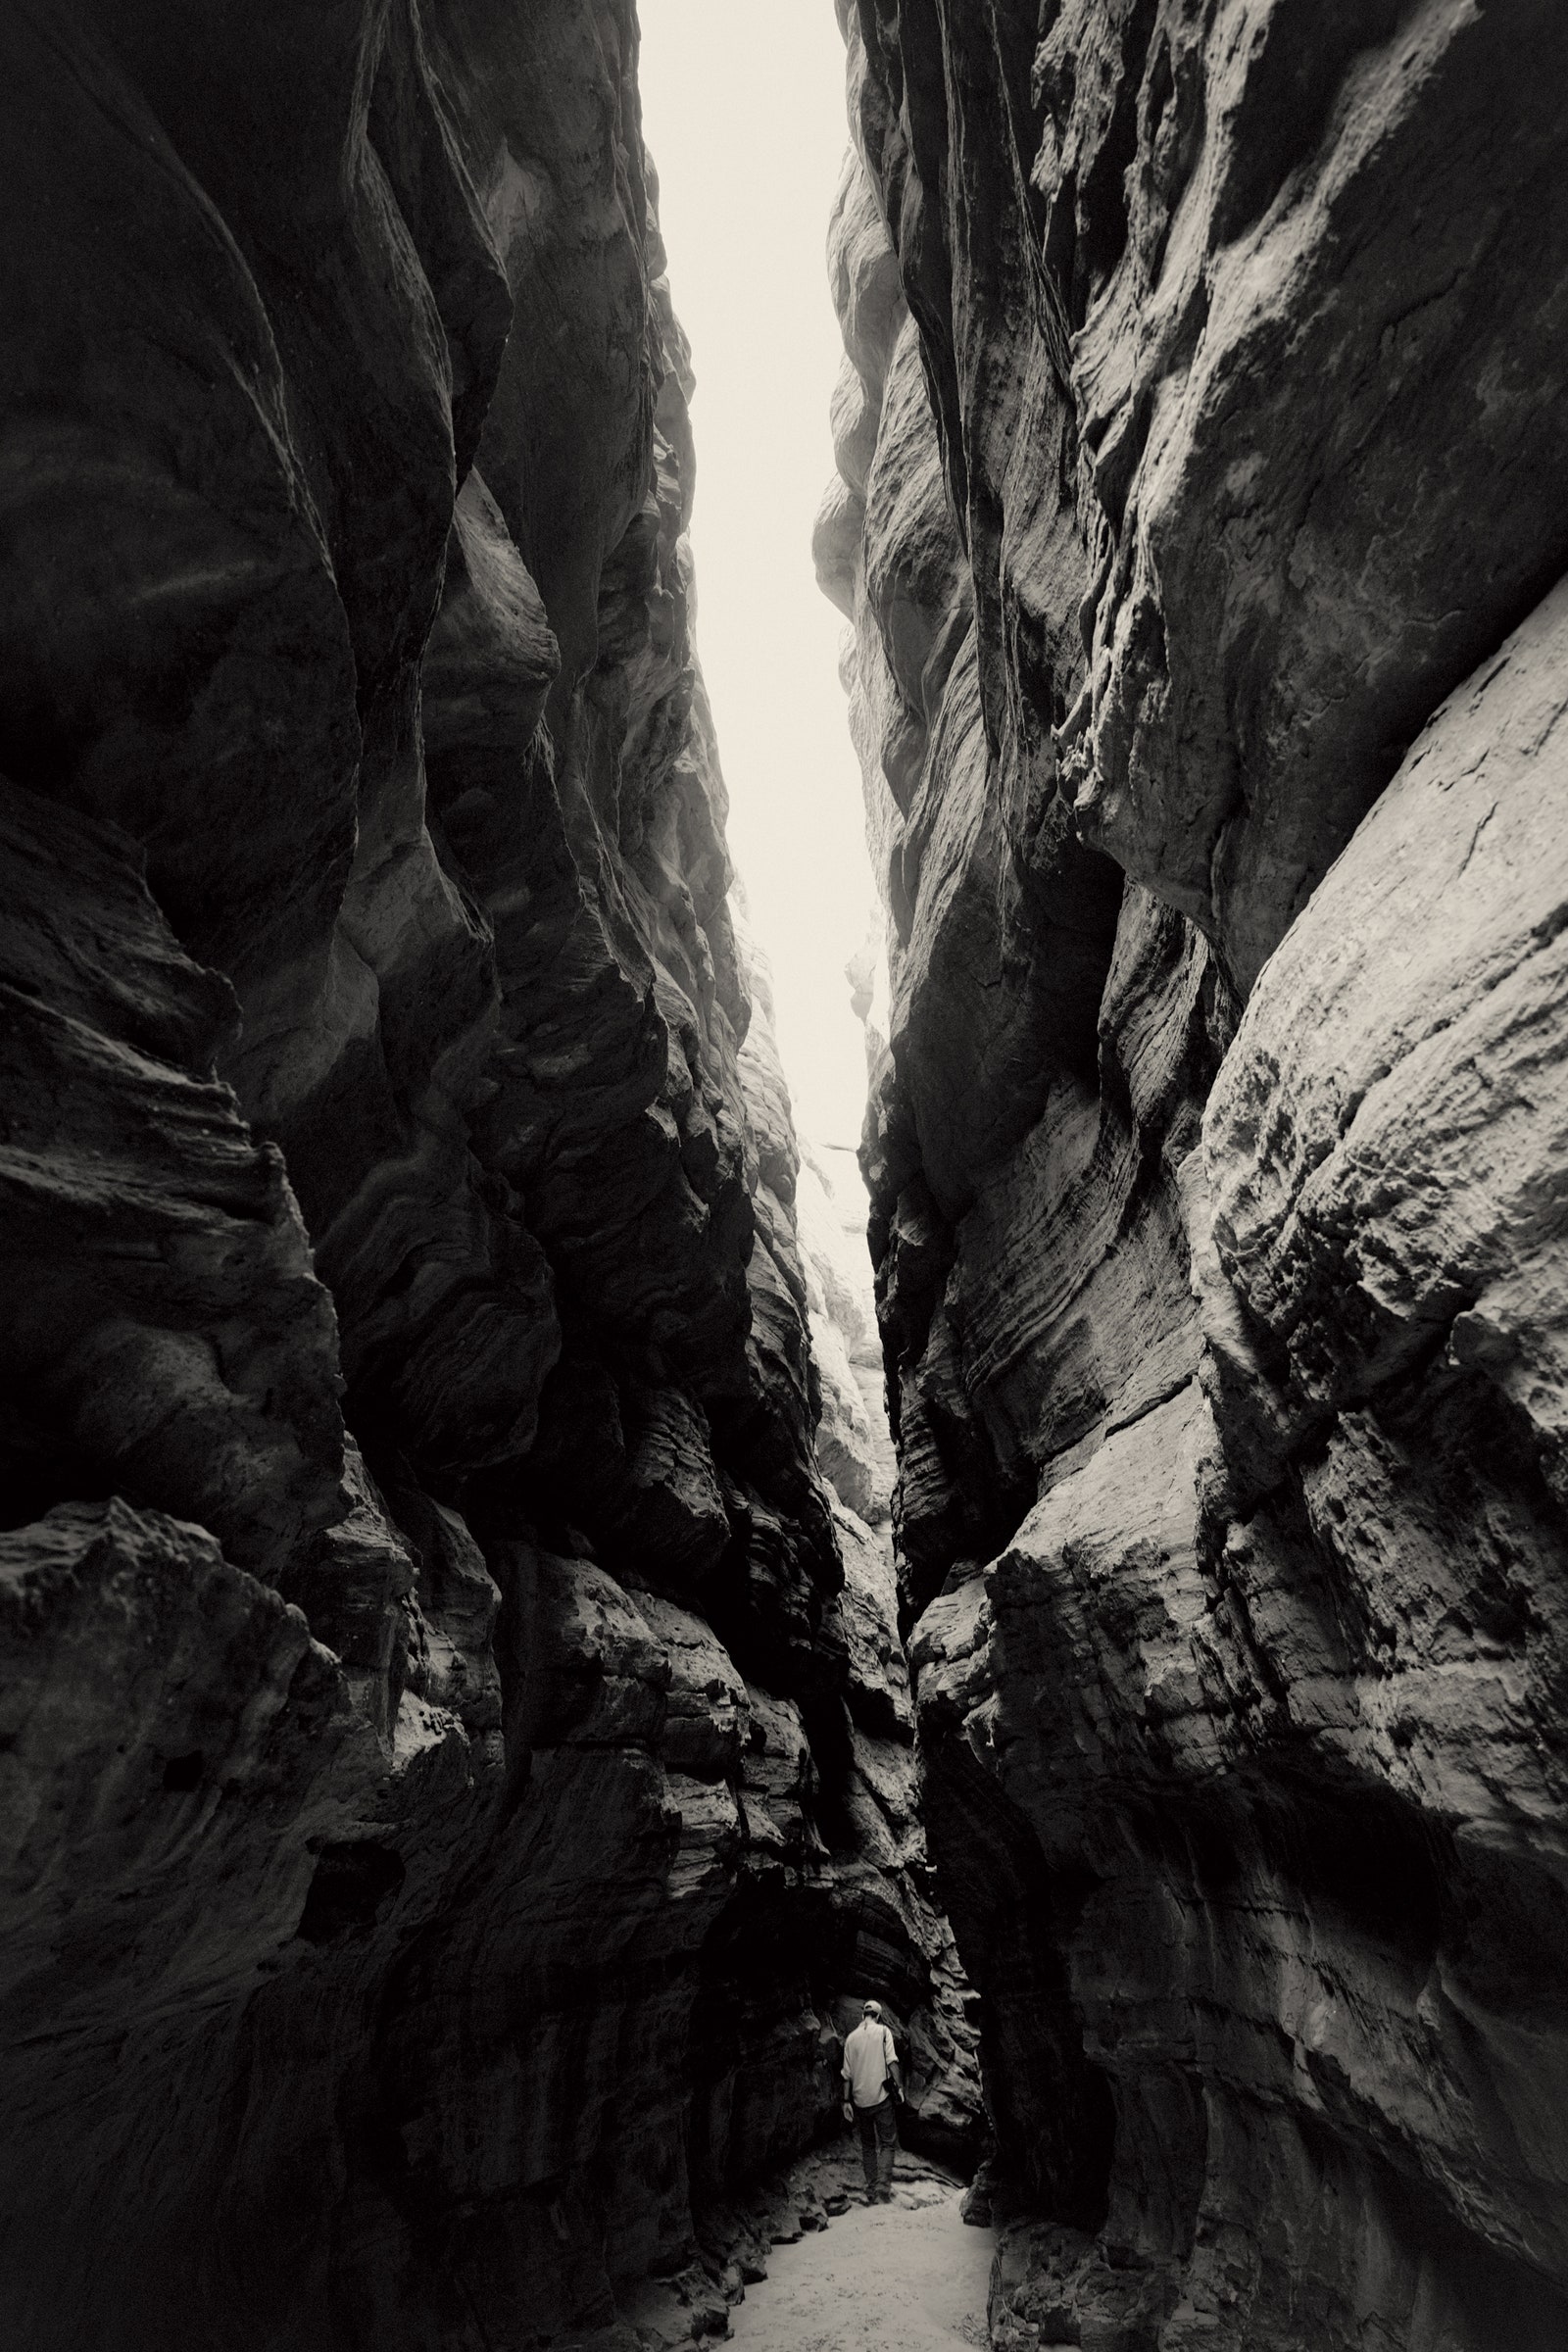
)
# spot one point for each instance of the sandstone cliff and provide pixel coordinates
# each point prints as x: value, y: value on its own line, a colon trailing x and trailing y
x: 1201, y: 514
x: 455, y: 1748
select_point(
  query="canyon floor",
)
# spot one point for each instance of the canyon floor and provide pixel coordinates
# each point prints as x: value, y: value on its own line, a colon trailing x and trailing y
x: 910, y: 2277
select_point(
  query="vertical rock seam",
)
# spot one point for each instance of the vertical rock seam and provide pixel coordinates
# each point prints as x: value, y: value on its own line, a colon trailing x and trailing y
x: 1201, y: 521
x: 456, y: 1753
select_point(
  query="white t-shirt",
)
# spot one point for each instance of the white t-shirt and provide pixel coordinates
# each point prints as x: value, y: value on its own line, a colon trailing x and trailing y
x: 868, y: 2055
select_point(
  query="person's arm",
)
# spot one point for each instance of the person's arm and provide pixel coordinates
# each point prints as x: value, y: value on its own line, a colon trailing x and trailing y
x: 849, y: 2104
x: 895, y: 2077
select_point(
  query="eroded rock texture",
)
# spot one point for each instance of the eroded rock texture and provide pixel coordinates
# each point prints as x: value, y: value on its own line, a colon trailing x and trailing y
x: 457, y: 1749
x: 1201, y: 507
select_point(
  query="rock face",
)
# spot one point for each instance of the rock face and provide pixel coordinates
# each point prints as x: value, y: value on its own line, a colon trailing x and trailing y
x: 455, y: 1746
x: 1200, y: 510
x: 852, y: 1442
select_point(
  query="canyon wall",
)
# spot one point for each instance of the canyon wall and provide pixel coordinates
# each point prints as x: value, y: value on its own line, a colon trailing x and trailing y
x: 1200, y: 521
x: 455, y: 1748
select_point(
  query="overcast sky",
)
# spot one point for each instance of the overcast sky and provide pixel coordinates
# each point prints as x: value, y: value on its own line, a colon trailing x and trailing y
x: 743, y: 111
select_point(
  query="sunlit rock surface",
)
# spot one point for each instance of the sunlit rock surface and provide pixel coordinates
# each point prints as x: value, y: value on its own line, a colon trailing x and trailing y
x: 456, y: 1755
x: 1199, y: 507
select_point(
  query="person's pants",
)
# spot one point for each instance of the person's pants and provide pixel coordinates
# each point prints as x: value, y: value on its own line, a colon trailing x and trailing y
x: 878, y: 2127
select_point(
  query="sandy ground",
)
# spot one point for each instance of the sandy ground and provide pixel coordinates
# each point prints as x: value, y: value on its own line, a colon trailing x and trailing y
x: 901, y: 2277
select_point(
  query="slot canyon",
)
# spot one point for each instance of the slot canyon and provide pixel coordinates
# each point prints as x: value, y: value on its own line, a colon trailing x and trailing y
x: 513, y: 1617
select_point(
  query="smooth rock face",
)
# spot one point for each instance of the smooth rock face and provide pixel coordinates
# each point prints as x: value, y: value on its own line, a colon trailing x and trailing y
x: 457, y: 1758
x: 1200, y: 503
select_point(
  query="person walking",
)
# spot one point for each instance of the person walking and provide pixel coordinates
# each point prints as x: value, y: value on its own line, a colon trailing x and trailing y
x: 871, y: 2084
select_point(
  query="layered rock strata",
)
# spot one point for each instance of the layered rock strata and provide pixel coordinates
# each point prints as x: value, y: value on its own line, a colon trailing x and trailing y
x: 1199, y: 517
x: 455, y: 1746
